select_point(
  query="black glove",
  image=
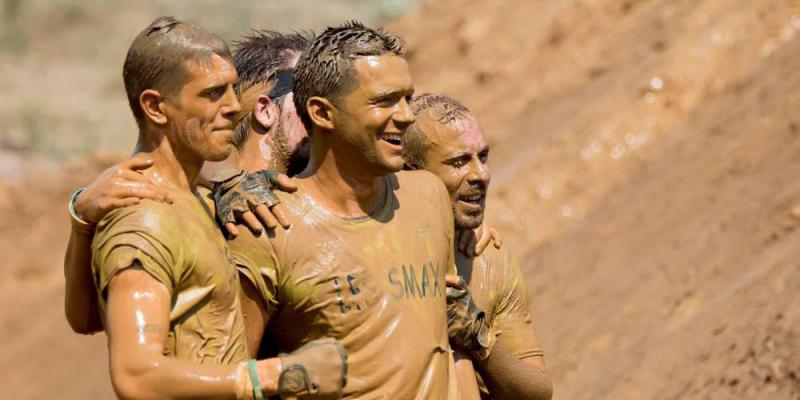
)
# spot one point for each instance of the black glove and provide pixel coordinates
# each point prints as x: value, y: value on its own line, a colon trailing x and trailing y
x: 466, y: 323
x: 243, y: 192
x: 317, y: 370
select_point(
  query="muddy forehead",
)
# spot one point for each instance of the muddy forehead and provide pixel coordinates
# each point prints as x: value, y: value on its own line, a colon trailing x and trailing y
x: 217, y: 71
x: 464, y: 133
x: 383, y: 73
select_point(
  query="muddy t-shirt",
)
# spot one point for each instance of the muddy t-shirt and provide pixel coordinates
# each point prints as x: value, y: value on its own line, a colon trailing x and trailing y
x: 180, y: 246
x: 498, y: 288
x: 375, y: 283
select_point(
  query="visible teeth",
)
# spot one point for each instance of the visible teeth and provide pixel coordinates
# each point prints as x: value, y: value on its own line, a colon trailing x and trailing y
x: 392, y: 138
x: 475, y: 197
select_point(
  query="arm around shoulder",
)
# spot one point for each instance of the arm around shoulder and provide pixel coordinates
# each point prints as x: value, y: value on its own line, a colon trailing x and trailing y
x: 80, y: 295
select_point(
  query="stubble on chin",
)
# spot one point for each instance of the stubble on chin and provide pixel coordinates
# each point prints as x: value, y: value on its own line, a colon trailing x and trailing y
x: 464, y: 221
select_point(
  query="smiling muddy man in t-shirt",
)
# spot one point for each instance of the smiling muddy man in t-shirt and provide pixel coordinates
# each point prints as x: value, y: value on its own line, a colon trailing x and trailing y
x: 369, y: 247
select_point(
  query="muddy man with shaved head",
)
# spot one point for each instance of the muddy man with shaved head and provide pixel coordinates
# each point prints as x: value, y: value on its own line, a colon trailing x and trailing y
x: 447, y: 140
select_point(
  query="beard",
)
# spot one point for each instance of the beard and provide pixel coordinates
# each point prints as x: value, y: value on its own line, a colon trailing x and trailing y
x: 468, y: 217
x: 298, y: 159
x: 464, y: 221
x: 291, y: 160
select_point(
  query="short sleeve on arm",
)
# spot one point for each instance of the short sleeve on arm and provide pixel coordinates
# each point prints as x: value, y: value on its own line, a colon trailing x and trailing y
x: 149, y: 236
x: 513, y: 318
x: 256, y: 261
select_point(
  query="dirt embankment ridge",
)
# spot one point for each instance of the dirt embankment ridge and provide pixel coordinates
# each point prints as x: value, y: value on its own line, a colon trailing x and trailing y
x: 644, y: 161
x: 644, y: 156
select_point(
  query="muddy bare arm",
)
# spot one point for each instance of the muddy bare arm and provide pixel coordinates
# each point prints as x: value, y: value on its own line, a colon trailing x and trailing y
x: 80, y: 296
x: 138, y: 323
x: 118, y: 186
x: 508, y: 377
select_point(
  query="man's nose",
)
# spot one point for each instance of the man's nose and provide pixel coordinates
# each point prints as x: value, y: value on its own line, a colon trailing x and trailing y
x: 404, y: 114
x: 479, y: 172
x: 231, y: 105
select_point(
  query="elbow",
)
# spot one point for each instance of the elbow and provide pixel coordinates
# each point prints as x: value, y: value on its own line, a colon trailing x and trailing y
x: 131, y: 381
x: 81, y: 323
x: 78, y: 325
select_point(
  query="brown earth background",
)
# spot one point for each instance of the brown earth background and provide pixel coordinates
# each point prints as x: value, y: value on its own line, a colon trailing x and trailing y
x: 644, y: 157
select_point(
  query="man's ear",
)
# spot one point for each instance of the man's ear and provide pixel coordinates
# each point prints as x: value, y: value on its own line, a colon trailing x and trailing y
x: 266, y: 111
x: 320, y: 110
x: 152, y: 104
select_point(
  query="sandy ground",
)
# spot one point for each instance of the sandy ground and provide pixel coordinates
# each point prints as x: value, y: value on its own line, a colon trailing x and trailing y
x: 644, y: 159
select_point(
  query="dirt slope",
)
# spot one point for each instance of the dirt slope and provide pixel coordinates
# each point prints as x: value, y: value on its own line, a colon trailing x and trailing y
x: 644, y: 156
x: 645, y: 159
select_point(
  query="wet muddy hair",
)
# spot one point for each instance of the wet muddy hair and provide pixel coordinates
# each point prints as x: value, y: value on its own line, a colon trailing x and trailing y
x: 158, y: 57
x: 440, y: 108
x: 259, y: 57
x: 326, y: 68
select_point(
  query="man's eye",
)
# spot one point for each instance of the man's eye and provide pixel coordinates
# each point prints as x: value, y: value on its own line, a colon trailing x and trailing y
x: 387, y: 101
x: 215, y: 94
x: 459, y: 163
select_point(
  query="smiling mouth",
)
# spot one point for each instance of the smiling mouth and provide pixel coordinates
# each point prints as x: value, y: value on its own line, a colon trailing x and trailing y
x: 473, y: 199
x: 393, y: 139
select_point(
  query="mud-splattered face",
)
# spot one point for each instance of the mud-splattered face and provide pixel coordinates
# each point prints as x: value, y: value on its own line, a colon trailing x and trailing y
x: 374, y: 116
x: 202, y: 113
x: 459, y: 155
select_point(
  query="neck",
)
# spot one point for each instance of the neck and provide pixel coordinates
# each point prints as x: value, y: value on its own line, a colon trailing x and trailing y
x: 333, y: 180
x: 257, y: 153
x: 171, y: 166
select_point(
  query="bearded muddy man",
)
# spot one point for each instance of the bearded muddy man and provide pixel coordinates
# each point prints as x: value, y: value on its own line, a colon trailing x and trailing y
x: 269, y: 135
x: 167, y: 288
x: 366, y: 256
x: 447, y: 141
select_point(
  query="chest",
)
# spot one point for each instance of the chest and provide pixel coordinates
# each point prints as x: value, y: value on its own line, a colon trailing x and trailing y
x: 207, y: 258
x: 340, y: 278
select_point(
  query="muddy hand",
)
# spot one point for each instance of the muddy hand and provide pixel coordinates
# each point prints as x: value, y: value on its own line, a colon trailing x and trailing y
x: 466, y: 323
x: 318, y: 370
x: 473, y: 242
x: 248, y: 199
x: 120, y: 185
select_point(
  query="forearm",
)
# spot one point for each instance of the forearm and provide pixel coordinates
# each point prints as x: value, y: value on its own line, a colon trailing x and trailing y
x: 467, y: 380
x: 508, y: 377
x: 159, y: 377
x: 138, y: 326
x: 80, y: 296
x: 219, y: 170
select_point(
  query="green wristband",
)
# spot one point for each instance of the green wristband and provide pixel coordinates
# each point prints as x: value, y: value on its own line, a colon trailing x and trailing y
x: 258, y: 391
